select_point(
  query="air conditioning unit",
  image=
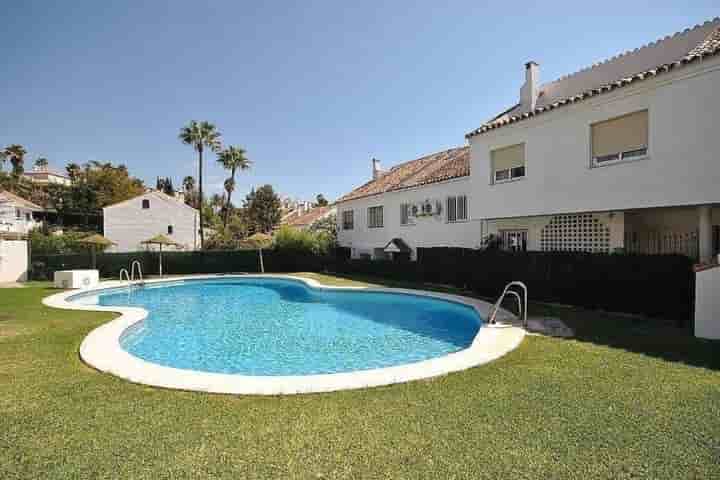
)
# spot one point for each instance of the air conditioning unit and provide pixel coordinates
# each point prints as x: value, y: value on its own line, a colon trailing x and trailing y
x: 427, y: 208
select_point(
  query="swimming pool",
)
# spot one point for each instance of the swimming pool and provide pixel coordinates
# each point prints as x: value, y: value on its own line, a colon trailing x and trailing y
x: 268, y: 334
x: 278, y: 326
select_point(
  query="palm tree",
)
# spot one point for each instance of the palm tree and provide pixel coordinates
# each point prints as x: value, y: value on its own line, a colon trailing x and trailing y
x: 41, y: 162
x: 233, y: 159
x: 16, y: 154
x: 189, y: 184
x: 200, y: 135
x: 216, y: 202
x: 229, y: 185
x: 73, y: 170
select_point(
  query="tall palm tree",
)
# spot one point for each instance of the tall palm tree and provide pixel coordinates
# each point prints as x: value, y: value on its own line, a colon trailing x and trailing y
x: 229, y: 185
x: 188, y: 183
x: 41, y: 162
x: 216, y: 202
x: 73, y: 171
x: 16, y: 153
x: 233, y: 159
x: 200, y: 135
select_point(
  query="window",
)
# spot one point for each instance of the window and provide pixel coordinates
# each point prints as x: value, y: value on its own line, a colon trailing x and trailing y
x: 348, y: 220
x: 170, y: 230
x: 508, y: 163
x: 514, y: 240
x: 406, y: 210
x: 18, y: 213
x: 27, y: 217
x: 457, y: 208
x: 618, y: 139
x: 146, y: 204
x: 375, y: 217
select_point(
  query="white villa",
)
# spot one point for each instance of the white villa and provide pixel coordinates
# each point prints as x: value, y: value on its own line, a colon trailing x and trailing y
x: 130, y: 222
x: 43, y: 175
x: 304, y: 219
x: 622, y: 155
x: 16, y: 213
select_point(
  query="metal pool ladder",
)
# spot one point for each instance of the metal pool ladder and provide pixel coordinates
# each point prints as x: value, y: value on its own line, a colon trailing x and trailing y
x: 521, y: 301
x: 139, y: 271
x: 127, y: 274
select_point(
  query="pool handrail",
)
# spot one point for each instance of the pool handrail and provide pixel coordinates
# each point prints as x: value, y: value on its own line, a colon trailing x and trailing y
x: 139, y: 271
x: 522, y: 313
x: 127, y: 274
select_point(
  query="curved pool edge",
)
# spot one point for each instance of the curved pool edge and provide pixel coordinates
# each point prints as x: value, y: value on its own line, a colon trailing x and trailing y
x: 101, y: 349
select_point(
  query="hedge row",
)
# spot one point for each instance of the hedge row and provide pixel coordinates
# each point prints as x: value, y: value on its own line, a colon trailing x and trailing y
x: 178, y: 263
x: 655, y: 285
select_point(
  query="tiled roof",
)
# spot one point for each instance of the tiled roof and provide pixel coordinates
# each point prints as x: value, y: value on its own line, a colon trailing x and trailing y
x: 433, y: 168
x: 669, y: 53
x: 8, y: 197
x: 308, y: 218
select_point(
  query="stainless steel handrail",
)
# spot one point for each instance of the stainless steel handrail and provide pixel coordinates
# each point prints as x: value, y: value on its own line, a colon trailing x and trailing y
x: 127, y: 274
x: 139, y: 270
x: 522, y: 313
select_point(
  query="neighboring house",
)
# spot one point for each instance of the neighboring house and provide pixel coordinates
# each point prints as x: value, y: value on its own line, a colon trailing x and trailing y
x: 421, y: 203
x: 16, y: 213
x: 290, y: 207
x: 623, y: 155
x: 130, y: 222
x: 304, y: 219
x: 45, y: 176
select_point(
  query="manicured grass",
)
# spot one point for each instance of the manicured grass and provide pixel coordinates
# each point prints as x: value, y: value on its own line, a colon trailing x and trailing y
x: 626, y: 399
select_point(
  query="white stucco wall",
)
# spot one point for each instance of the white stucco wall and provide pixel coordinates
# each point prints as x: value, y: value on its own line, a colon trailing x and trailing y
x: 13, y: 260
x: 10, y: 222
x: 707, y: 303
x: 128, y: 224
x: 426, y: 232
x: 683, y: 167
x: 534, y: 226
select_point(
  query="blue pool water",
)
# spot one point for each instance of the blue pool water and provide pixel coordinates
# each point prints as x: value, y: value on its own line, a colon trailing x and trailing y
x: 283, y: 327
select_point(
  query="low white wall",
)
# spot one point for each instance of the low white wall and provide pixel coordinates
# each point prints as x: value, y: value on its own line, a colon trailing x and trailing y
x: 13, y: 260
x: 707, y: 303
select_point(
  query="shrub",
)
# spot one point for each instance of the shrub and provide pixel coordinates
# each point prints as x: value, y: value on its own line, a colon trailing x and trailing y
x: 53, y: 243
x: 303, y: 242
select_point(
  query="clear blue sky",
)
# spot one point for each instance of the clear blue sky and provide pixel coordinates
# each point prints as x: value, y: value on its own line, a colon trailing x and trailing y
x: 311, y: 89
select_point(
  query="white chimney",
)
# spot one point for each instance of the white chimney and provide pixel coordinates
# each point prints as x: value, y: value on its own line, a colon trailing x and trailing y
x: 529, y: 91
x: 376, y: 170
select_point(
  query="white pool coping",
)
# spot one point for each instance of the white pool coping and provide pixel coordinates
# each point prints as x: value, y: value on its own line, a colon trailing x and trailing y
x: 101, y: 349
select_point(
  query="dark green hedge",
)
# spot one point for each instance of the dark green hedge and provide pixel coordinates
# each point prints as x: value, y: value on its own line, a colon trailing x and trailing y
x: 655, y: 285
x: 180, y: 263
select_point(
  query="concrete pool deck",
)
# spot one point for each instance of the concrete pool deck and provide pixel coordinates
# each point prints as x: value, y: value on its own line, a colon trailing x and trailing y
x: 101, y: 349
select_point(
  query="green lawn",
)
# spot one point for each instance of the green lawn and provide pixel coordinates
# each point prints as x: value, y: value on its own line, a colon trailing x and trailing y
x: 626, y: 399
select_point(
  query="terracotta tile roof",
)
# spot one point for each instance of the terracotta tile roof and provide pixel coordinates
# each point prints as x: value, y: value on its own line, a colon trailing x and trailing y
x: 432, y: 168
x: 7, y: 197
x: 669, y: 53
x: 307, y: 219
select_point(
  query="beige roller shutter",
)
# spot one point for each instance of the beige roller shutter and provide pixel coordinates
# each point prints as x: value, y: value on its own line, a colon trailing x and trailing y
x: 508, y: 157
x: 622, y: 134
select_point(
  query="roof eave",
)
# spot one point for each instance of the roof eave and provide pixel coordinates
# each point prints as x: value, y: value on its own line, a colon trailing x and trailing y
x: 623, y: 82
